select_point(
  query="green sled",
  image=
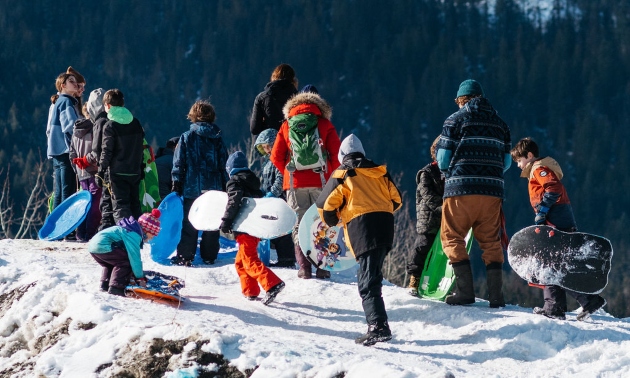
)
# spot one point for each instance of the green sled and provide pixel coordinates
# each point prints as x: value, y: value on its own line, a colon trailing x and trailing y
x: 437, y: 279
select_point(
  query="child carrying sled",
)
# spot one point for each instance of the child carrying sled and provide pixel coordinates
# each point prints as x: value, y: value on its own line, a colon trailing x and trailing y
x: 251, y: 271
x: 117, y: 250
x: 551, y: 204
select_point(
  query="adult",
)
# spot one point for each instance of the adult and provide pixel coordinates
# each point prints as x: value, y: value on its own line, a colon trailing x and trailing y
x: 61, y: 117
x: 164, y: 165
x: 267, y: 111
x: 473, y: 153
x: 302, y: 187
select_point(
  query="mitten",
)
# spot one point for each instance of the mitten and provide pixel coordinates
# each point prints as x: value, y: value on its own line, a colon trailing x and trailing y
x: 226, y: 226
x: 177, y: 188
x: 269, y: 195
x: 541, y: 215
x: 81, y: 162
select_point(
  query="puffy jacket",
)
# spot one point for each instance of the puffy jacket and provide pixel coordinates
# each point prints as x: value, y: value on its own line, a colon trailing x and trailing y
x: 364, y: 197
x: 267, y: 111
x: 97, y: 138
x: 199, y: 160
x: 128, y: 232
x: 545, y: 188
x: 271, y: 180
x: 122, y: 143
x: 243, y: 183
x: 164, y: 165
x: 429, y: 192
x: 61, y: 117
x: 280, y: 155
x: 81, y: 146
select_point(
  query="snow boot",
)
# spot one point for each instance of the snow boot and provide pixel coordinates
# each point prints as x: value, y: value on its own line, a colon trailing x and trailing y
x: 494, y: 277
x: 322, y: 274
x: 592, y: 306
x: 117, y: 291
x: 412, y: 289
x: 305, y: 265
x: 105, y: 285
x: 272, y: 293
x: 464, y: 290
x: 552, y: 314
x: 376, y: 333
x: 178, y: 260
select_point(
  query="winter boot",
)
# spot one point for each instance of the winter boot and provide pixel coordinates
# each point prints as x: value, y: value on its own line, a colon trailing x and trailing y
x: 412, y: 289
x: 592, y: 306
x: 117, y: 291
x: 272, y: 293
x: 305, y: 265
x: 376, y: 333
x: 322, y: 274
x: 494, y: 276
x: 464, y: 290
x: 105, y: 285
x: 553, y: 314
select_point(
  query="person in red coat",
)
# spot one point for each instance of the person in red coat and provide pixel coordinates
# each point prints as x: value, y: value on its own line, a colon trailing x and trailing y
x: 304, y: 186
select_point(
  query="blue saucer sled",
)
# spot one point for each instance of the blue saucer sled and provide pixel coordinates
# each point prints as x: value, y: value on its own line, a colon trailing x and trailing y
x: 165, y: 243
x: 66, y: 217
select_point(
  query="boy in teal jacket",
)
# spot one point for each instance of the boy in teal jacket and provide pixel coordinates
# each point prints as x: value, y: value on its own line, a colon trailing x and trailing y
x: 117, y: 250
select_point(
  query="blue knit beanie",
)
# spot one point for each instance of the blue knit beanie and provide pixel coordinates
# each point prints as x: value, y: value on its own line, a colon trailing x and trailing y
x: 470, y: 87
x: 236, y: 162
x: 309, y: 88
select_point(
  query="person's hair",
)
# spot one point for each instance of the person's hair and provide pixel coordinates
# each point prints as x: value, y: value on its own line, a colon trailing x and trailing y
x: 61, y: 79
x: 523, y: 147
x: 463, y: 100
x: 84, y: 110
x: 114, y: 97
x: 434, y: 148
x: 202, y: 111
x: 284, y: 72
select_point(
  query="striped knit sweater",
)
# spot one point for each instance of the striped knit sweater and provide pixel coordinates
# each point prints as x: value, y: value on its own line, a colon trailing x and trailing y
x: 474, y: 151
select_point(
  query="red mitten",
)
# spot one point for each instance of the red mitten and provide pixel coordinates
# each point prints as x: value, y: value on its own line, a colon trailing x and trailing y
x: 81, y: 162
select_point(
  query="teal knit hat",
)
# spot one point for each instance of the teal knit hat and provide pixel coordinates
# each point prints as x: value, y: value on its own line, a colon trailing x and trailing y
x: 470, y: 87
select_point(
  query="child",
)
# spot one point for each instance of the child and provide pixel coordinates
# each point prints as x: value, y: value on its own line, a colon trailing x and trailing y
x: 117, y: 250
x: 271, y: 185
x: 122, y: 156
x: 80, y: 148
x: 363, y: 196
x: 429, y: 192
x: 251, y: 271
x: 551, y: 204
x: 198, y: 166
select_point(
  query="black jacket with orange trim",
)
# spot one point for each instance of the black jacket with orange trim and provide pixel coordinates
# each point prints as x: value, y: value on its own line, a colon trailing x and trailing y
x: 362, y: 195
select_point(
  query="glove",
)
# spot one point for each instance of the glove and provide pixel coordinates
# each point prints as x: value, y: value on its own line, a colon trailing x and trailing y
x: 99, y: 179
x: 226, y: 226
x: 541, y: 215
x: 142, y: 281
x: 270, y: 195
x: 177, y: 188
x: 81, y: 162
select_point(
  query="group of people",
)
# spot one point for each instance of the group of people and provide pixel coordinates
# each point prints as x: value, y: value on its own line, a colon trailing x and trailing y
x: 304, y: 163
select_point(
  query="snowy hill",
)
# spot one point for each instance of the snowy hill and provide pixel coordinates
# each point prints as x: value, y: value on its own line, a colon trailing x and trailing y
x: 56, y: 323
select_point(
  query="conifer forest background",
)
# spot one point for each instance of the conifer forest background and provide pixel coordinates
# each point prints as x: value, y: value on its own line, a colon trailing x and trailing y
x: 558, y: 72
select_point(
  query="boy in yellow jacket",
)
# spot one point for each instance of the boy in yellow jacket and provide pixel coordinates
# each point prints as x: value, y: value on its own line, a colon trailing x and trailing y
x: 362, y: 195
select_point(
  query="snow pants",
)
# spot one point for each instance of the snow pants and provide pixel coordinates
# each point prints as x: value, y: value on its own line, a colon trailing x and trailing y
x: 89, y: 226
x: 107, y: 210
x: 250, y: 269
x: 483, y: 215
x: 125, y: 192
x: 556, y: 298
x: 187, y: 247
x: 116, y: 267
x: 420, y: 253
x: 284, y: 248
x: 370, y: 280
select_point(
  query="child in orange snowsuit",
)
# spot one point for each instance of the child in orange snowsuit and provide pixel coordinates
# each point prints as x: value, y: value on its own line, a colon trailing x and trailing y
x: 251, y: 271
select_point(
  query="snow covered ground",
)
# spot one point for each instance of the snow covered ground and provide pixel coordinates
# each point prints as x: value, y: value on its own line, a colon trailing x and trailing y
x: 54, y: 322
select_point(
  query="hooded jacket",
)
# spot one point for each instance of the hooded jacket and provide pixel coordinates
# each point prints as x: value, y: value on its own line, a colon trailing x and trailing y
x: 546, y: 189
x: 123, y: 144
x: 199, y: 160
x: 243, y: 183
x: 362, y: 195
x: 429, y: 192
x: 267, y: 111
x: 271, y: 180
x: 280, y: 155
x: 82, y: 145
x: 61, y: 117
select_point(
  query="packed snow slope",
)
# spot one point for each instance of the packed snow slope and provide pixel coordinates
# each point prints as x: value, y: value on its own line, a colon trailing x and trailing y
x: 55, y: 322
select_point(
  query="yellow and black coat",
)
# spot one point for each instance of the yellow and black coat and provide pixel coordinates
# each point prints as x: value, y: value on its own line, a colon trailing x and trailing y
x: 362, y: 195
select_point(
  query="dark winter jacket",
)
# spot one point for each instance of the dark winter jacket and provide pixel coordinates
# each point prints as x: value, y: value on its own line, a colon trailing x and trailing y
x: 267, y: 111
x: 81, y: 146
x: 97, y: 138
x: 546, y: 189
x: 199, y: 160
x: 271, y: 180
x: 363, y: 195
x: 123, y: 144
x: 429, y: 192
x: 243, y: 183
x: 164, y: 165
x: 474, y: 150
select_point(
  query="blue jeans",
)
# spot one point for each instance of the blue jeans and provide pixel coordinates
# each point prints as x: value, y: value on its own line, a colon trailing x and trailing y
x: 65, y: 179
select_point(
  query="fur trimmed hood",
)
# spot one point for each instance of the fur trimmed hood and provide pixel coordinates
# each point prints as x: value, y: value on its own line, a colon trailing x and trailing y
x: 307, y: 99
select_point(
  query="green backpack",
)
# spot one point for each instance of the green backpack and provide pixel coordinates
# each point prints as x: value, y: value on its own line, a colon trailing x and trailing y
x: 306, y: 146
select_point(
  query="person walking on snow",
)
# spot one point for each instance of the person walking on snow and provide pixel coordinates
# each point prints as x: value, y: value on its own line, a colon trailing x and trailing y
x: 362, y: 195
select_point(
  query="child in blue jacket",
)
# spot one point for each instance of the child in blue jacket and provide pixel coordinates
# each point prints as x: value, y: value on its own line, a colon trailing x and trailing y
x: 117, y: 250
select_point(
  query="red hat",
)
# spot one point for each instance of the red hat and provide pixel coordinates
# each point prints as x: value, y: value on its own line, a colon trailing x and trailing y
x: 150, y: 222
